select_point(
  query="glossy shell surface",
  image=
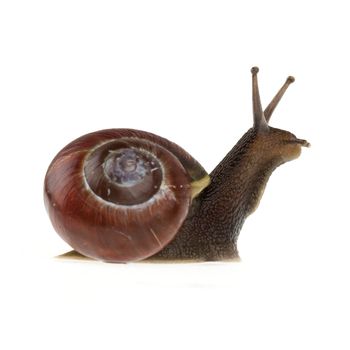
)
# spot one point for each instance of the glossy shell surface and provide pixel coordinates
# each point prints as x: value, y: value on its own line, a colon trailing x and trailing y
x: 120, y: 195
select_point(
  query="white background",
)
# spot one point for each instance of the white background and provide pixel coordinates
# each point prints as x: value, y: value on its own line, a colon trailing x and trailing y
x: 179, y: 69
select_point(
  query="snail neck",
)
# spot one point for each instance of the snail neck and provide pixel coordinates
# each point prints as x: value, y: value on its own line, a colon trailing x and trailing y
x: 217, y: 215
x: 240, y: 178
x: 237, y: 185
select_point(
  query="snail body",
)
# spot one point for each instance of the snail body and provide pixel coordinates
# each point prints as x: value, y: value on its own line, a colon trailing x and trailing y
x: 122, y: 195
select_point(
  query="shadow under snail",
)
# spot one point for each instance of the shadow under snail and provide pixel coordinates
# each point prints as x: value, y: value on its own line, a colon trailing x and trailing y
x: 122, y: 195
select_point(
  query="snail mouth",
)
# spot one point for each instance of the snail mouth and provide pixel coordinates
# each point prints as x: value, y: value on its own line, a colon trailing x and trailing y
x: 301, y: 142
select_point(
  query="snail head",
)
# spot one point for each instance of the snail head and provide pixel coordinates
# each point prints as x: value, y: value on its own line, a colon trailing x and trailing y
x: 275, y: 142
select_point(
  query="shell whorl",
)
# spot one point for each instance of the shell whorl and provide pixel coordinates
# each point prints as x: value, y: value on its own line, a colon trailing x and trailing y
x: 125, y: 172
x: 120, y: 194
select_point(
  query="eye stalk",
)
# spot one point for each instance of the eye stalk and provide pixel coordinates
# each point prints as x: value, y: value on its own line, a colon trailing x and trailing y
x: 262, y: 118
x: 258, y: 114
x: 273, y: 104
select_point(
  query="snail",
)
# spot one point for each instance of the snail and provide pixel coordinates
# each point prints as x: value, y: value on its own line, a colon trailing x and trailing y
x: 121, y: 195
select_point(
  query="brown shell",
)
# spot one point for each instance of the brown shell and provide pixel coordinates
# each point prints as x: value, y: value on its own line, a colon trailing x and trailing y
x: 96, y: 217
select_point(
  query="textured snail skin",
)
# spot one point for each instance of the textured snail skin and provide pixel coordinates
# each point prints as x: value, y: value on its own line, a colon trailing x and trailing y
x: 114, y: 232
x: 123, y: 195
x: 216, y: 216
x: 211, y: 229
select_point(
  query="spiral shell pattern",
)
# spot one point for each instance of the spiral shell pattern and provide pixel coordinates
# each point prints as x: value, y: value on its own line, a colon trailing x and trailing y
x: 120, y: 195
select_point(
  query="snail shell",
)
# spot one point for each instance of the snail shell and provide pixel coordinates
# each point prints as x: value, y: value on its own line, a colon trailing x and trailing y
x: 120, y: 195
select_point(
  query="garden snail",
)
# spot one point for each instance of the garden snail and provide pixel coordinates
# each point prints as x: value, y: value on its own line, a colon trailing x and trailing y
x: 123, y: 195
